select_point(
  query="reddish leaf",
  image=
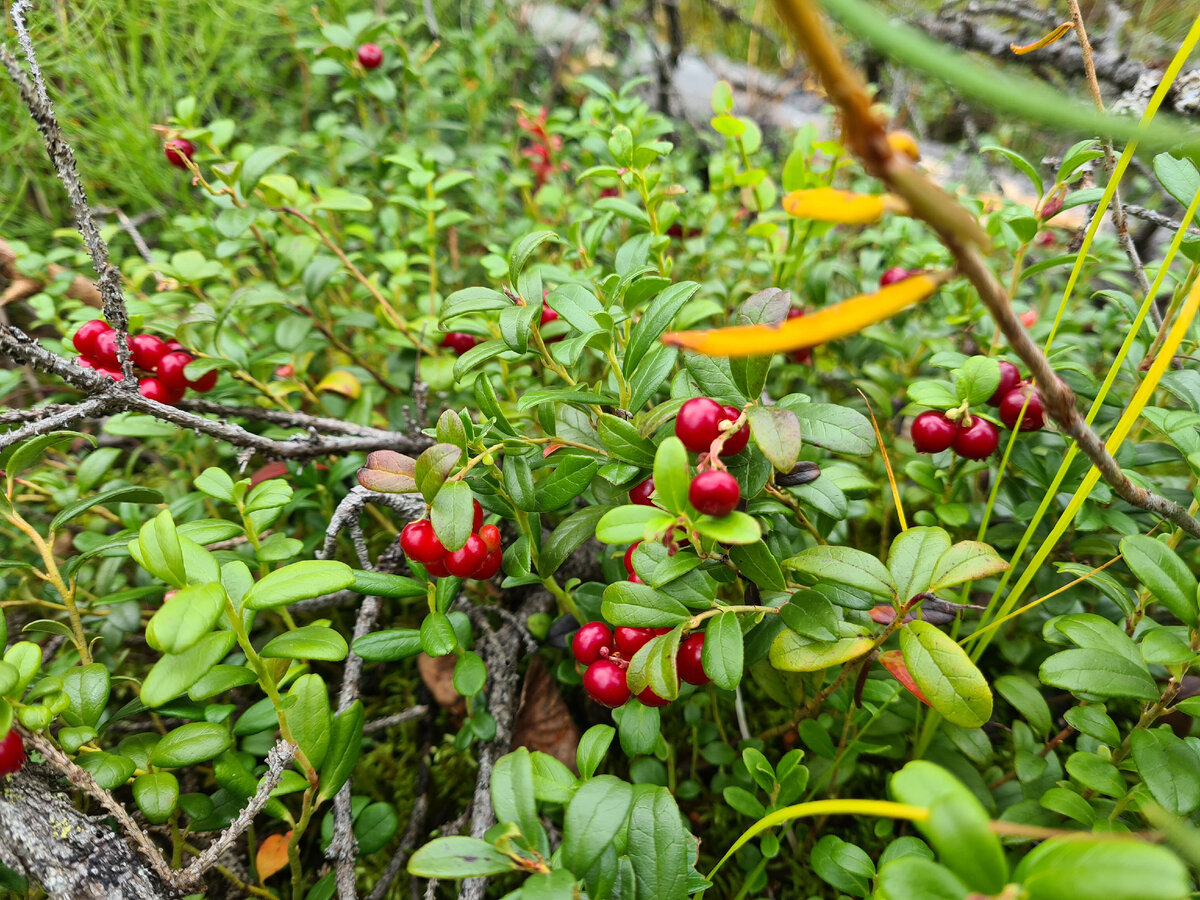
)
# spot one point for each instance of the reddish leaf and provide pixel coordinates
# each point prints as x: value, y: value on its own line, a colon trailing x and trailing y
x: 272, y: 854
x: 894, y: 663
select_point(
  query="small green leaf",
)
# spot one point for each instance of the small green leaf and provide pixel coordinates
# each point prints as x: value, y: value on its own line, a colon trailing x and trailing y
x: 593, y: 745
x: 186, y: 617
x: 1164, y: 573
x: 309, y: 718
x: 777, y: 433
x: 345, y: 744
x: 452, y: 514
x: 943, y: 671
x: 722, y: 655
x: 391, y: 645
x: 912, y: 558
x: 966, y: 561
x: 299, y: 581
x: 735, y: 528
x: 1170, y: 768
x: 432, y: 468
x: 671, y: 475
x: 470, y: 673
x: 791, y: 652
x: 641, y: 606
x: 592, y: 819
x: 627, y: 524
x: 309, y: 642
x: 104, y: 498
x: 756, y: 562
x: 845, y: 565
x: 459, y: 857
x: 156, y: 795
x: 189, y: 744
x: 1083, y: 868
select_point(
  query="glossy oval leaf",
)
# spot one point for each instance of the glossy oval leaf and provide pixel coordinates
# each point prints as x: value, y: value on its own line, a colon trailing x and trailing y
x: 948, y: 679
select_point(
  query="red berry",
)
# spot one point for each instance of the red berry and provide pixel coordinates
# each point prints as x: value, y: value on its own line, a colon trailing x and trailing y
x: 205, y: 382
x: 110, y: 371
x: 490, y: 565
x: 978, y: 441
x: 170, y: 370
x: 634, y: 579
x: 592, y: 642
x: 687, y: 661
x: 147, y: 350
x: 89, y: 332
x: 640, y: 493
x: 173, y: 345
x: 605, y: 683
x: 370, y: 56
x: 154, y: 389
x: 1010, y: 377
x: 894, y: 274
x: 459, y: 341
x: 648, y: 698
x: 490, y: 535
x: 464, y: 561
x: 714, y: 493
x: 698, y: 423
x: 176, y: 150
x: 629, y: 558
x: 1014, y: 400
x: 804, y: 357
x: 932, y: 432
x: 419, y: 542
x: 436, y: 569
x: 631, y: 640
x: 548, y: 315
x: 477, y: 516
x: 12, y: 753
x: 736, y: 442
x: 105, y: 352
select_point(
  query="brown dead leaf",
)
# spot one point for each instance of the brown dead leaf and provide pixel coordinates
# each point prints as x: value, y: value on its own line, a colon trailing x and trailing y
x: 543, y: 720
x: 438, y: 674
x: 272, y: 854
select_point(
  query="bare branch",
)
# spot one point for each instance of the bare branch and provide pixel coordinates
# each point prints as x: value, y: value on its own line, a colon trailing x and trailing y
x: 413, y: 712
x: 1157, y: 218
x: 52, y: 421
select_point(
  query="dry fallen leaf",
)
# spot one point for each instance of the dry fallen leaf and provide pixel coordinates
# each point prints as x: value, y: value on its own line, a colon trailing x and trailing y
x: 438, y: 674
x: 543, y: 720
x: 272, y: 854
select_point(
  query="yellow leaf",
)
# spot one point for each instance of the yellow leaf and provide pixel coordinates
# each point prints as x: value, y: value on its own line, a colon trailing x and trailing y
x: 837, y: 321
x: 341, y: 383
x: 905, y: 144
x: 1022, y: 49
x: 272, y: 854
x: 842, y: 207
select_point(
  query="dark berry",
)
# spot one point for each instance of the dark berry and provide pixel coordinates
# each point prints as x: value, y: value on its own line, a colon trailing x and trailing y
x: 698, y: 423
x: 736, y: 442
x: 1010, y: 377
x: 631, y: 640
x: 979, y: 441
x: 464, y: 561
x: 419, y: 542
x: 147, y: 350
x: 932, y: 432
x: 593, y: 641
x: 648, y: 698
x: 170, y: 370
x: 490, y: 535
x: 714, y: 493
x: 893, y: 275
x: 605, y: 683
x: 177, y: 150
x: 12, y: 753
x: 640, y: 493
x: 370, y: 56
x: 459, y: 341
x: 89, y: 332
x: 687, y: 661
x: 1035, y: 413
x: 629, y: 558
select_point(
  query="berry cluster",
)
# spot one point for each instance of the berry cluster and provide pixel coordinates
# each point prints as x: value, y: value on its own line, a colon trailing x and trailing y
x: 12, y: 753
x: 714, y: 492
x: 933, y: 431
x: 478, y: 558
x: 605, y: 653
x: 163, y: 361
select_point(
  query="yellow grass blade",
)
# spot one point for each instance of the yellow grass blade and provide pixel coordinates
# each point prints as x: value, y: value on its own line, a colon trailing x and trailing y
x: 1022, y: 49
x: 841, y: 207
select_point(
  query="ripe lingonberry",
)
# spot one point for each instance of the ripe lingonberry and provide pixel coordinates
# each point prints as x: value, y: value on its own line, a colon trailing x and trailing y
x: 12, y: 753
x: 459, y: 341
x: 714, y: 493
x: 698, y: 423
x: 648, y: 698
x: 979, y: 441
x: 105, y: 351
x: 170, y: 371
x: 640, y: 493
x: 804, y: 357
x: 476, y: 516
x: 177, y: 150
x: 464, y: 561
x: 154, y: 389
x: 631, y: 640
x: 490, y: 565
x: 548, y: 316
x: 419, y: 542
x: 605, y: 683
x: 436, y: 568
x: 1014, y: 400
x: 893, y: 275
x: 592, y: 641
x: 687, y: 661
x: 490, y: 535
x: 89, y: 332
x: 147, y: 350
x: 1010, y: 377
x: 205, y: 382
x: 736, y: 442
x: 370, y: 56
x: 932, y: 432
x: 629, y: 558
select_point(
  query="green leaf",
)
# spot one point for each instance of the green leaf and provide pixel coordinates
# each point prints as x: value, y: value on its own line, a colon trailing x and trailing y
x: 453, y: 514
x: 634, y: 522
x: 658, y: 846
x: 1079, y: 868
x: 309, y: 642
x: 345, y: 744
x: 735, y: 528
x: 1178, y: 177
x: 1166, y: 576
x: 671, y: 475
x: 915, y: 876
x: 570, y: 534
x: 653, y: 666
x: 87, y: 687
x: 299, y: 581
x: 592, y: 819
x: 836, y: 428
x: 1026, y: 700
x: 389, y: 646
x: 843, y: 865
x: 17, y: 459
x: 519, y: 255
x: 845, y: 565
x: 966, y: 561
x: 384, y: 584
x: 777, y: 433
x: 156, y: 795
x: 219, y: 680
x: 1098, y: 673
x: 791, y: 652
x: 912, y: 558
x: 104, y: 498
x: 189, y: 744
x: 110, y: 770
x: 309, y: 718
x: 767, y: 307
x: 569, y: 479
x: 258, y: 164
x: 592, y: 748
x: 433, y: 466
x: 977, y: 379
x: 641, y: 606
x: 722, y: 655
x: 471, y: 301
x: 186, y: 617
x: 756, y: 562
x: 459, y: 857
x: 811, y: 614
x: 512, y: 793
x: 623, y: 442
x: 470, y: 673
x: 176, y: 672
x: 1170, y: 767
x: 659, y: 315
x: 437, y: 634
x: 943, y: 671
